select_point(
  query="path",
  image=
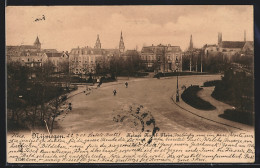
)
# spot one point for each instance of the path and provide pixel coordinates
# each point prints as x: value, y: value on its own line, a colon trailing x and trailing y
x: 94, y: 112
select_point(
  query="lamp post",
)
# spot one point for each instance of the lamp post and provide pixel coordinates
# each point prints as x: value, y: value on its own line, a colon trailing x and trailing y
x: 177, y: 90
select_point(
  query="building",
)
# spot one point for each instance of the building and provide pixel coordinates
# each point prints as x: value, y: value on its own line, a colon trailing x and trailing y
x: 161, y: 58
x: 17, y: 50
x: 30, y: 59
x: 49, y: 50
x: 131, y: 54
x: 229, y: 48
x: 35, y: 56
x: 59, y: 60
x: 86, y: 60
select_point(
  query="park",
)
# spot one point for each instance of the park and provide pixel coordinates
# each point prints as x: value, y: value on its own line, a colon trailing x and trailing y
x: 97, y: 109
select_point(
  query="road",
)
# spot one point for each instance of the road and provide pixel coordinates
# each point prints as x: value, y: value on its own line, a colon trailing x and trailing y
x: 97, y: 111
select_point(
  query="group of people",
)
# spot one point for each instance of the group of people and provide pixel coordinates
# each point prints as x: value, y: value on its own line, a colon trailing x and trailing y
x: 126, y: 86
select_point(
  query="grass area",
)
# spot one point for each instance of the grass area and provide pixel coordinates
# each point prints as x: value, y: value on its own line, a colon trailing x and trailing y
x: 166, y: 74
x: 190, y: 97
x: 238, y: 116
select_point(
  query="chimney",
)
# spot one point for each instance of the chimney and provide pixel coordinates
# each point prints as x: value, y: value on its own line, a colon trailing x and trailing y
x: 244, y: 35
x: 219, y: 38
x: 191, y: 43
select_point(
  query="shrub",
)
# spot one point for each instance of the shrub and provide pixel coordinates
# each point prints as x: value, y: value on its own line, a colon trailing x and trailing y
x: 211, y: 83
x: 190, y: 97
x: 238, y: 116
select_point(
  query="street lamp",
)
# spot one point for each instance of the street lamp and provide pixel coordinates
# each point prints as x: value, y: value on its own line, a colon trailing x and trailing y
x: 177, y: 90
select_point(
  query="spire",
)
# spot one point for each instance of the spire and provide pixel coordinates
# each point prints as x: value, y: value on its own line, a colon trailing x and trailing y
x: 37, y: 43
x: 191, y: 43
x: 244, y: 35
x: 121, y: 44
x: 98, y: 44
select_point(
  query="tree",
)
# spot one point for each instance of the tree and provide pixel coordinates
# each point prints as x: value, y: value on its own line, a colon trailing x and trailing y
x: 17, y: 77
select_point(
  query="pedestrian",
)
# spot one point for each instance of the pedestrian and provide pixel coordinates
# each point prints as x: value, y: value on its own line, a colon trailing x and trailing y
x: 126, y: 84
x: 114, y: 91
x: 70, y: 108
x: 100, y: 83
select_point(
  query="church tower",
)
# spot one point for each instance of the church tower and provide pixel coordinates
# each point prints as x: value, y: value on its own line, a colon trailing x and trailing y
x: 98, y: 44
x: 121, y: 44
x: 37, y: 43
x: 191, y: 43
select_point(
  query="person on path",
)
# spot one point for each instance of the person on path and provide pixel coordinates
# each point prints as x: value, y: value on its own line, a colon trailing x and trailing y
x: 100, y: 83
x: 126, y: 84
x: 114, y: 91
x: 70, y: 108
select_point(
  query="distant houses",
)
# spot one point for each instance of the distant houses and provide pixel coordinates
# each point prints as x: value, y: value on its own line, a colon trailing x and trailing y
x: 229, y: 48
x: 194, y: 58
x: 35, y: 56
x: 154, y: 58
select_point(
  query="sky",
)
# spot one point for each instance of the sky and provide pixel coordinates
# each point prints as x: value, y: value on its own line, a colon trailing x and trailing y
x: 67, y: 27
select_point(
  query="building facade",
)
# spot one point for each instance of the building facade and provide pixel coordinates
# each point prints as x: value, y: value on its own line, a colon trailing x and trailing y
x: 30, y: 59
x: 59, y: 60
x: 162, y: 58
